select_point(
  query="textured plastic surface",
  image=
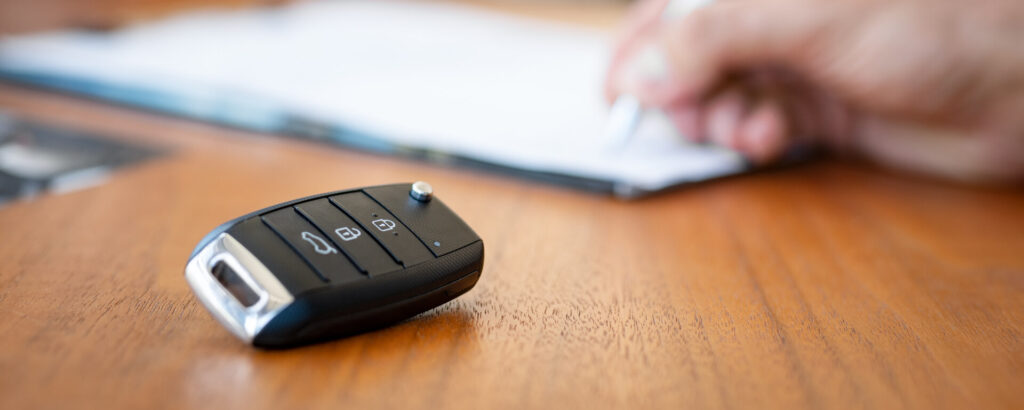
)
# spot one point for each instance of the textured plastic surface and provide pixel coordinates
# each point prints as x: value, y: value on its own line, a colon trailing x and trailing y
x: 337, y: 311
x: 439, y: 228
x: 405, y: 247
x: 294, y: 273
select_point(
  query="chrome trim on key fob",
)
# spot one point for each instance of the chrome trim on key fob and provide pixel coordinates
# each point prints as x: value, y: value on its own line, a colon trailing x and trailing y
x: 244, y: 322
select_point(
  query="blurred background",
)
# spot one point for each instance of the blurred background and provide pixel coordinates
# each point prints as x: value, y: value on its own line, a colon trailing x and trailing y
x: 20, y: 16
x: 503, y: 85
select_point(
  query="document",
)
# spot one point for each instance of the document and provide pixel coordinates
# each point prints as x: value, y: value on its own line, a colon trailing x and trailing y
x: 444, y: 82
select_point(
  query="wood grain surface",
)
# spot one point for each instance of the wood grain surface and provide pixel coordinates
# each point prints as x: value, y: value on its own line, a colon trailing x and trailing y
x: 829, y: 285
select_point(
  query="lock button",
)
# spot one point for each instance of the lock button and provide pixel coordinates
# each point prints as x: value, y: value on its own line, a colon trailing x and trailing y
x: 351, y: 238
x: 403, y: 246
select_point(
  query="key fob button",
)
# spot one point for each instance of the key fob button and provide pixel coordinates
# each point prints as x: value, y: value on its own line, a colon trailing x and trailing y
x: 350, y: 237
x: 314, y: 246
x: 432, y: 221
x: 400, y: 243
x: 293, y: 272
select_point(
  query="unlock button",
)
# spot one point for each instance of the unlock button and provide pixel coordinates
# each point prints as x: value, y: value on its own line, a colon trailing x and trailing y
x: 348, y: 233
x: 361, y: 248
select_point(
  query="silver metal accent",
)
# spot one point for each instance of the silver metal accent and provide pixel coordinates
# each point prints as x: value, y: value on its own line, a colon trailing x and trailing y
x: 421, y: 191
x: 244, y: 322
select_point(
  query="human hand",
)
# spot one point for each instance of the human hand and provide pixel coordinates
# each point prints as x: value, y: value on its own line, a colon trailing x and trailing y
x: 929, y: 86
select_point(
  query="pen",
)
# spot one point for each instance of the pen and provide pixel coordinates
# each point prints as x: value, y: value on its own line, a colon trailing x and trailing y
x: 625, y: 113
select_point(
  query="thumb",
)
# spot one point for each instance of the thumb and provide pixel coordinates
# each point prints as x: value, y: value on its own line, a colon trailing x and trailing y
x: 706, y: 45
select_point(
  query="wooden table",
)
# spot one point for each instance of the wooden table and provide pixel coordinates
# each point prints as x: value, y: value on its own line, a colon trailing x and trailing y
x: 830, y: 285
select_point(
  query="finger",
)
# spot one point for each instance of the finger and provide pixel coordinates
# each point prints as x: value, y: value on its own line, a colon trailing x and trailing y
x: 686, y: 118
x: 764, y: 133
x: 724, y: 113
x: 704, y: 46
x: 640, y: 25
x: 641, y: 17
x: 811, y: 115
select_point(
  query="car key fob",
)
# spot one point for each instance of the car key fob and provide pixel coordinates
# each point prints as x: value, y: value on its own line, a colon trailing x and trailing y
x: 334, y: 264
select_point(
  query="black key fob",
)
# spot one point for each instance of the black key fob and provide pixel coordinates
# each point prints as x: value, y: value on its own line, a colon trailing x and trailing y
x: 334, y: 264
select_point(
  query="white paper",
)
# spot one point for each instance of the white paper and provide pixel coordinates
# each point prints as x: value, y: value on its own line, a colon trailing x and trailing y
x: 498, y: 88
